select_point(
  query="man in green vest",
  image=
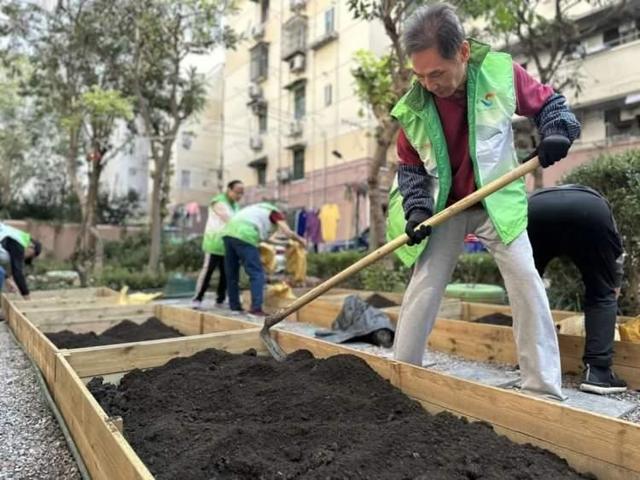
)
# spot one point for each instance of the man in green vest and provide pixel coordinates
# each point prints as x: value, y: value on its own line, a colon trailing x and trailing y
x: 241, y: 236
x: 16, y: 249
x: 455, y: 137
x: 221, y: 208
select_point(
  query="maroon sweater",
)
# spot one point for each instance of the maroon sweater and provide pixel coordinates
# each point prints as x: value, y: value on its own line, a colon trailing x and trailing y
x: 531, y: 96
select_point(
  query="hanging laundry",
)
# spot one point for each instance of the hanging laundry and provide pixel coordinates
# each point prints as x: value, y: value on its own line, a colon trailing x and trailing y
x: 301, y: 222
x: 329, y: 216
x: 313, y: 230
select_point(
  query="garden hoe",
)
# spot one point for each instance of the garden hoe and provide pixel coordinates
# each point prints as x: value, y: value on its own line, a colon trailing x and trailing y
x: 275, y: 349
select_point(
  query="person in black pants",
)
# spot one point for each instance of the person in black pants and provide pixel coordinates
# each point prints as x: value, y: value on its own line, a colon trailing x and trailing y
x: 576, y: 222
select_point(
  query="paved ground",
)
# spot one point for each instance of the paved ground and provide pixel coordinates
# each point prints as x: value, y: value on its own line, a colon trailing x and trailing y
x: 31, y: 443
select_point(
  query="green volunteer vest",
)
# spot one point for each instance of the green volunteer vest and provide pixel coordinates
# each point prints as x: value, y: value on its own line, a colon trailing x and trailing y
x: 251, y: 224
x: 212, y: 241
x: 491, y: 103
x: 23, y: 238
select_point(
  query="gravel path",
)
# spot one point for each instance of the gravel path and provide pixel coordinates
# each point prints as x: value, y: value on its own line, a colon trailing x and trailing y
x: 31, y: 443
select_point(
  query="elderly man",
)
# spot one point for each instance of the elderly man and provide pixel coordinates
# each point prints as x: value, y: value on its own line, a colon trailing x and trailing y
x: 455, y: 137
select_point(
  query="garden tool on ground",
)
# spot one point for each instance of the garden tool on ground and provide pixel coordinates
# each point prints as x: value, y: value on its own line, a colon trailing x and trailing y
x: 272, y: 345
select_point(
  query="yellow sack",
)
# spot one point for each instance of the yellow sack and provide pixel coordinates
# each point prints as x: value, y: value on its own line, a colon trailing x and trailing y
x: 267, y: 257
x: 279, y: 290
x: 296, y: 261
x: 138, y: 298
x: 630, y: 331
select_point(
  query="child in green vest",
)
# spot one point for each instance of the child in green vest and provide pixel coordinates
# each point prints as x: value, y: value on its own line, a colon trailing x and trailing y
x: 455, y: 137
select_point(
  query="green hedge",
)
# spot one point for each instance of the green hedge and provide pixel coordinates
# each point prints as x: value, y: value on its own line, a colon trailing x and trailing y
x: 133, y: 253
x: 471, y: 268
x: 117, y: 277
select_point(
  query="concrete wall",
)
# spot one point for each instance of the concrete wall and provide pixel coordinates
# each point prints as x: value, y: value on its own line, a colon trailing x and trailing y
x: 58, y: 240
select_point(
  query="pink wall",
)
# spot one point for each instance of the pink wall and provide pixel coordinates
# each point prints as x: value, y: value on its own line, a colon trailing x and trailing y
x: 58, y: 240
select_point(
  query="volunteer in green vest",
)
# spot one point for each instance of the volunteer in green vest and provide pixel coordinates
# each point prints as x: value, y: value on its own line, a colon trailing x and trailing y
x: 16, y: 249
x: 241, y: 237
x: 222, y: 207
x: 455, y: 137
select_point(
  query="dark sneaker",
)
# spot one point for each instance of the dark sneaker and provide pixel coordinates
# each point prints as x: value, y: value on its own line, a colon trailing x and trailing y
x: 257, y: 313
x: 601, y: 380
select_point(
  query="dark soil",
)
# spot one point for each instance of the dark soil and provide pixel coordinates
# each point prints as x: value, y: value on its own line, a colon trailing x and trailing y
x: 496, y: 319
x: 124, y: 332
x: 379, y: 301
x: 217, y: 415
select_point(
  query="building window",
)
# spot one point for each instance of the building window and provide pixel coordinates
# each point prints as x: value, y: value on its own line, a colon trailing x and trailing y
x: 298, y: 163
x: 328, y: 93
x: 264, y: 10
x: 299, y: 101
x: 622, y: 123
x: 294, y: 36
x: 259, y: 62
x: 329, y: 21
x: 261, y: 173
x: 185, y: 179
x: 262, y: 119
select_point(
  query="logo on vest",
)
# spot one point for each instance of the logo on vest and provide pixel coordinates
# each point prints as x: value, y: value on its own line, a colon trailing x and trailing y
x: 487, y: 101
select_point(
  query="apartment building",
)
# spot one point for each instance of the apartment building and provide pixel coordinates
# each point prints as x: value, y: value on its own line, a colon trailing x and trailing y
x: 293, y: 129
x: 197, y: 157
x: 608, y: 101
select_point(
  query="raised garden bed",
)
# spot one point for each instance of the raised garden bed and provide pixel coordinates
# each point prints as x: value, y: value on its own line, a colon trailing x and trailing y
x: 593, y: 443
x: 220, y: 415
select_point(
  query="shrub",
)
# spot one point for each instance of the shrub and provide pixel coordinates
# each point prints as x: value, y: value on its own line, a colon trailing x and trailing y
x: 325, y: 265
x: 118, y: 277
x: 477, y: 268
x: 185, y: 257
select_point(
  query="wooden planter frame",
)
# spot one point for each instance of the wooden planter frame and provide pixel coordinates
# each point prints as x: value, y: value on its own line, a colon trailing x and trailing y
x: 605, y: 446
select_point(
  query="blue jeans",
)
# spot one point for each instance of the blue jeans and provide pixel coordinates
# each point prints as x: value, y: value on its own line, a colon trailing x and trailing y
x: 237, y: 252
x: 3, y: 275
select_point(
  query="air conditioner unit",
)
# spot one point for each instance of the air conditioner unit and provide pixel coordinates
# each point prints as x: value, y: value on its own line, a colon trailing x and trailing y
x: 257, y: 31
x: 255, y: 91
x: 296, y: 5
x: 283, y: 175
x: 295, y: 128
x: 297, y: 63
x: 255, y: 142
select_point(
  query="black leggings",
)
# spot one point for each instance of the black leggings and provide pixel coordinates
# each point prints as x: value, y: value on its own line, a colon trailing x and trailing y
x: 210, y: 264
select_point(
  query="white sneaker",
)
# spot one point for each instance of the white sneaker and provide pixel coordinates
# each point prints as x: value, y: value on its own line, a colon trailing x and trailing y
x: 196, y: 304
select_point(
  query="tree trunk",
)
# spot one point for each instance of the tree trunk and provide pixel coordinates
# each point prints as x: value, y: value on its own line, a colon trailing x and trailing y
x: 538, y: 178
x: 156, y: 218
x: 385, y: 137
x: 86, y: 242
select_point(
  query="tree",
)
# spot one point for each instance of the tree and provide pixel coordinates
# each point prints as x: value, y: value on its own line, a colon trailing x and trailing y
x: 16, y: 167
x: 74, y: 81
x: 380, y: 82
x: 545, y: 40
x: 162, y: 35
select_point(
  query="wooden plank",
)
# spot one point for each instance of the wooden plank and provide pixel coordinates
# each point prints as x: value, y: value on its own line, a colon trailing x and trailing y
x: 212, y: 323
x: 127, y: 356
x: 106, y: 453
x: 590, y: 442
x: 42, y: 318
x: 98, y: 326
x: 46, y: 303
x: 186, y: 320
x: 36, y: 345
